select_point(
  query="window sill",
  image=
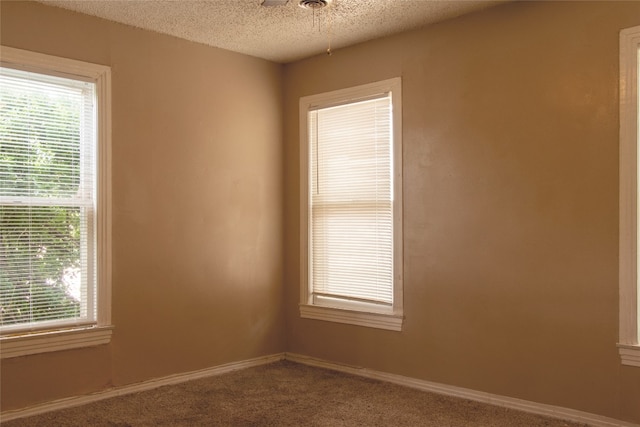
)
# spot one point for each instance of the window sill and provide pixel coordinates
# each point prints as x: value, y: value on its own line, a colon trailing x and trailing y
x: 629, y: 354
x: 390, y: 322
x: 47, y: 341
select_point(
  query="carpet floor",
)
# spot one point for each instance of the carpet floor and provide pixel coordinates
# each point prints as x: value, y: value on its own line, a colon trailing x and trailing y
x: 286, y: 394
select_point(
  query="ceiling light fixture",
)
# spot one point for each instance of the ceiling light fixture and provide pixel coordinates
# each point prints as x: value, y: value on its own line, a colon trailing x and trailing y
x: 313, y: 4
x: 316, y: 5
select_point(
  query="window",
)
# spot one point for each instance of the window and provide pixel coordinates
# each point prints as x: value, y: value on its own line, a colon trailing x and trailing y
x: 54, y: 190
x: 629, y: 341
x: 351, y: 206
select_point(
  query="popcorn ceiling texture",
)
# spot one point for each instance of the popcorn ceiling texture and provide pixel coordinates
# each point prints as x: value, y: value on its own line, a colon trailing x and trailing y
x: 277, y: 33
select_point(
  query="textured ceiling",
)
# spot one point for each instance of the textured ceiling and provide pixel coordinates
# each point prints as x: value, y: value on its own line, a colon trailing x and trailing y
x: 277, y: 33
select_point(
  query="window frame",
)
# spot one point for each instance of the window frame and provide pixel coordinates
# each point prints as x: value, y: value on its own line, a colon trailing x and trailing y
x: 354, y: 314
x: 98, y: 332
x: 629, y: 330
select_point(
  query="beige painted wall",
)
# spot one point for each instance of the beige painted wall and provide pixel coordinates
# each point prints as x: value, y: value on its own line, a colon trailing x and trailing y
x: 510, y: 133
x: 510, y: 205
x: 197, y: 206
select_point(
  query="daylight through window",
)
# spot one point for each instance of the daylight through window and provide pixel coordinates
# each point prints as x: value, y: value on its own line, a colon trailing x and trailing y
x: 54, y: 192
x: 353, y: 212
x: 47, y: 218
x: 629, y: 238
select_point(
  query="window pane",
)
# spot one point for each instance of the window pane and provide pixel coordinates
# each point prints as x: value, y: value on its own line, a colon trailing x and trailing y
x: 40, y: 128
x: 351, y: 201
x: 47, y: 145
x: 40, y: 277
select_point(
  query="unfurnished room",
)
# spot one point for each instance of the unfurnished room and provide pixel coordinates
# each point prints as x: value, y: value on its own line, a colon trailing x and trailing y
x: 319, y: 213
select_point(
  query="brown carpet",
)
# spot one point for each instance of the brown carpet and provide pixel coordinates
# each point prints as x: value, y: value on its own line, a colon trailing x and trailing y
x: 286, y: 394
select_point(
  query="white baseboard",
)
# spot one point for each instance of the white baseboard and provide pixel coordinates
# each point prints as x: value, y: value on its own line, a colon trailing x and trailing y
x: 465, y: 393
x: 492, y: 399
x: 70, y: 402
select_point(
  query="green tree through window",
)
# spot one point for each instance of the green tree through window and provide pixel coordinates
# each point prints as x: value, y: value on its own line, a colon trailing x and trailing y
x: 40, y: 165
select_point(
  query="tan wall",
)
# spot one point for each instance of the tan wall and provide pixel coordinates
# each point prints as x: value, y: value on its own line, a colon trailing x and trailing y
x: 197, y: 206
x: 510, y: 205
x: 510, y: 133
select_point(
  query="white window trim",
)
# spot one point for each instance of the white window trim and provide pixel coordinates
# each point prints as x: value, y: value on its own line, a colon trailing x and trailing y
x: 81, y: 336
x: 393, y: 319
x: 629, y: 347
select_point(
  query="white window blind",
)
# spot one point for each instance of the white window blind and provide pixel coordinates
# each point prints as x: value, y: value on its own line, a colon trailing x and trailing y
x: 629, y: 236
x: 47, y: 201
x: 351, y: 242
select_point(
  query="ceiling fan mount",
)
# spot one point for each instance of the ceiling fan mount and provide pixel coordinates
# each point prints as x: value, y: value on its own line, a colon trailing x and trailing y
x: 313, y: 4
